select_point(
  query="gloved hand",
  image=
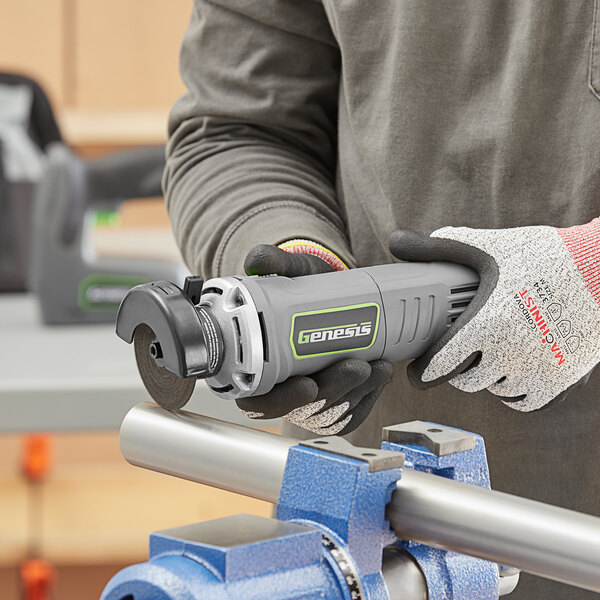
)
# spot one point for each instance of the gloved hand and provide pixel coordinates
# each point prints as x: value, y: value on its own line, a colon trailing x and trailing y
x: 334, y: 401
x: 532, y: 331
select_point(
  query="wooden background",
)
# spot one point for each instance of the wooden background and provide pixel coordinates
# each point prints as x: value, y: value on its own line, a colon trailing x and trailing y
x: 110, y: 64
x: 110, y: 68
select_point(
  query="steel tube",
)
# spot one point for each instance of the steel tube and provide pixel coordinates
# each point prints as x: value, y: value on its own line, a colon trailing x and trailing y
x: 403, y: 576
x: 545, y: 540
x: 548, y: 541
x: 217, y: 453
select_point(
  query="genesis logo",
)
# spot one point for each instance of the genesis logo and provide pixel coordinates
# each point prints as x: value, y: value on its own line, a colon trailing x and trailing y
x: 334, y: 330
x: 311, y: 336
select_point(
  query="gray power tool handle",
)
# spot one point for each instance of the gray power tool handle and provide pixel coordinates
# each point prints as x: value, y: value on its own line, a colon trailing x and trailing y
x: 105, y: 182
x: 128, y: 174
x: 402, y: 308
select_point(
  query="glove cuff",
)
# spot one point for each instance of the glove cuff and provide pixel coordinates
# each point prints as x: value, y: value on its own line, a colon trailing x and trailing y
x: 310, y: 247
x: 583, y: 243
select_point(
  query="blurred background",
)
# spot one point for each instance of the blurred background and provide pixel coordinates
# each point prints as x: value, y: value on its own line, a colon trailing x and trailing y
x: 72, y: 512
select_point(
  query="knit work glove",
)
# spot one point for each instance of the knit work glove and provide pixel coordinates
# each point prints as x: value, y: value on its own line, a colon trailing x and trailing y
x: 532, y: 331
x: 336, y: 400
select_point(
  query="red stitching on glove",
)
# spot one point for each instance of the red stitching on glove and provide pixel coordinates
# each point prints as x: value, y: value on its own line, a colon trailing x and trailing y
x: 583, y: 243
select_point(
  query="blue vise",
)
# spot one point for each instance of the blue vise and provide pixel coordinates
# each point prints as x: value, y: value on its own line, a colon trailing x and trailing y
x: 331, y: 539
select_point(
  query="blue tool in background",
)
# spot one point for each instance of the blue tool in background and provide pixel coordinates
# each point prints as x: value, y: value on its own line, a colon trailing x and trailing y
x: 352, y: 523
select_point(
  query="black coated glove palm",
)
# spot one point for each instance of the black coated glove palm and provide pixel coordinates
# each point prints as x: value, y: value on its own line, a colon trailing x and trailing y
x: 334, y: 401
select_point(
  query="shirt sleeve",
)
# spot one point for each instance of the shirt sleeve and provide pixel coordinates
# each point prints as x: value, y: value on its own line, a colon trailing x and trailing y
x: 251, y: 156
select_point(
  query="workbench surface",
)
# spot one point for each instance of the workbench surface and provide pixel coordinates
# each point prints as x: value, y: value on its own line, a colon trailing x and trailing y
x: 74, y: 377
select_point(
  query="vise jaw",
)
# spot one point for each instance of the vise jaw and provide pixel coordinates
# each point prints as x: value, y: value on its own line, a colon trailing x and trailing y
x: 460, y: 456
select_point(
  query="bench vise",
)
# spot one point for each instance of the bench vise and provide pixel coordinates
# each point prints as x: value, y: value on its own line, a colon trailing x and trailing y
x: 346, y: 528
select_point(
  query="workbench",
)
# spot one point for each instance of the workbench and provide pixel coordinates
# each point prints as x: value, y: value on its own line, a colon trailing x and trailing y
x: 76, y: 381
x: 75, y: 377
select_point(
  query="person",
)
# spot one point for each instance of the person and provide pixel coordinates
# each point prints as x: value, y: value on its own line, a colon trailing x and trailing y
x: 329, y: 126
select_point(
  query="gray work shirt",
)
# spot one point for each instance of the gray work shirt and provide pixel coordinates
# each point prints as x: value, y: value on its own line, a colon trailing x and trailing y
x: 342, y: 120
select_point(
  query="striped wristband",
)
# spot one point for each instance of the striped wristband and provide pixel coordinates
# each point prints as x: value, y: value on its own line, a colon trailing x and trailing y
x: 583, y: 243
x: 310, y: 247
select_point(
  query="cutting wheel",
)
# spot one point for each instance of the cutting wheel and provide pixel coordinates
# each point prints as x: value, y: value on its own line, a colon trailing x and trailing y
x: 167, y: 389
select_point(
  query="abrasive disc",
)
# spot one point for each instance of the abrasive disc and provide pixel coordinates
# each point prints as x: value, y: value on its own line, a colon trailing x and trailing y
x: 167, y: 389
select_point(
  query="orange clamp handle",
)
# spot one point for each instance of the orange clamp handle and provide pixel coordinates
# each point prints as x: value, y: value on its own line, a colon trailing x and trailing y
x: 37, y: 455
x: 37, y: 579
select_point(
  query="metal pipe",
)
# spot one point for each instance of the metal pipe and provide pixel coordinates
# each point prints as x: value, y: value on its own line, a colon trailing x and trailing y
x: 545, y: 540
x: 402, y: 575
x: 217, y: 453
x: 509, y: 579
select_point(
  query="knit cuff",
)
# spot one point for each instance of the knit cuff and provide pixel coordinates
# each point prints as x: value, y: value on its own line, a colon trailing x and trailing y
x: 310, y: 247
x: 275, y: 223
x: 583, y: 243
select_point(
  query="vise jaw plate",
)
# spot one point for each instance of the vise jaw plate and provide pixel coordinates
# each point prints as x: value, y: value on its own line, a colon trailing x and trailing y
x: 439, y: 440
x: 378, y: 460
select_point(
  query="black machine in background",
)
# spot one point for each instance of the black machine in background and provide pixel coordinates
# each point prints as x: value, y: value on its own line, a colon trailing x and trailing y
x: 48, y: 201
x: 39, y: 129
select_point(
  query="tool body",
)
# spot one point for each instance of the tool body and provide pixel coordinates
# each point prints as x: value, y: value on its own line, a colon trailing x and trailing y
x: 246, y: 334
